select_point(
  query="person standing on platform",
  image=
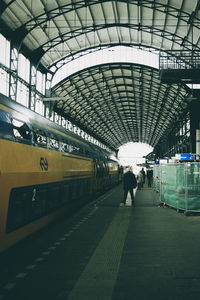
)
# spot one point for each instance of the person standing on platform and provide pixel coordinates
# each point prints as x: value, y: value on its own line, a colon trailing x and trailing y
x: 139, y: 180
x: 143, y: 174
x: 129, y: 183
x: 149, y: 177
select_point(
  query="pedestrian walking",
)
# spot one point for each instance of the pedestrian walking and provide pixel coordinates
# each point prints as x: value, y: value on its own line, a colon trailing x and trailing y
x: 129, y: 183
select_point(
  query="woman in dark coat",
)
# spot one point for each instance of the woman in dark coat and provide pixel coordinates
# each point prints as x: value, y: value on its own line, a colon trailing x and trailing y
x: 129, y: 183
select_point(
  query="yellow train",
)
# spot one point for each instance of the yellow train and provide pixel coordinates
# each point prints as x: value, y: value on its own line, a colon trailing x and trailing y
x: 45, y: 172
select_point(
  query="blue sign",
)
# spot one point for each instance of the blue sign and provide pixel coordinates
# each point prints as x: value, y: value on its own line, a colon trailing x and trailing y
x: 185, y: 156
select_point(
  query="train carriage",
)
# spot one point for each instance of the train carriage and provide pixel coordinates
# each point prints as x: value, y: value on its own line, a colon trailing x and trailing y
x: 45, y: 172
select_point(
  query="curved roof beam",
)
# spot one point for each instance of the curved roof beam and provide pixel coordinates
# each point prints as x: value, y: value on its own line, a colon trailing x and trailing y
x: 39, y: 52
x: 141, y: 114
x: 51, y: 14
x: 105, y: 56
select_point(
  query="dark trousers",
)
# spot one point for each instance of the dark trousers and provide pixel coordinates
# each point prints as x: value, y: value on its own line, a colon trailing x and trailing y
x: 149, y: 182
x: 126, y: 193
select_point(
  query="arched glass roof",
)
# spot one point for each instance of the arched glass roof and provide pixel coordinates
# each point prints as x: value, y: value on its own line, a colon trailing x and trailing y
x: 118, y: 100
x: 116, y: 54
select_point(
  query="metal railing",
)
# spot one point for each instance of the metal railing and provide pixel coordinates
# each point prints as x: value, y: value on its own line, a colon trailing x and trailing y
x: 179, y: 60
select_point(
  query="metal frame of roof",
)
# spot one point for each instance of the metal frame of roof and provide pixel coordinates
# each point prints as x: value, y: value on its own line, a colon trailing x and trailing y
x: 117, y: 103
x: 126, y: 101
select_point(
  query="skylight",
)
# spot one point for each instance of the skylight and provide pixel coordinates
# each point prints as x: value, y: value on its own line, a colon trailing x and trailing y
x: 117, y: 54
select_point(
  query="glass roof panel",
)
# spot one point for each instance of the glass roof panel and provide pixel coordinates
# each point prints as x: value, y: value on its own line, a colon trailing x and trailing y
x: 115, y: 54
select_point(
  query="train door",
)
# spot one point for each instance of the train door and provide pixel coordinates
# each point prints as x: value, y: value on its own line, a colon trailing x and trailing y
x: 99, y: 176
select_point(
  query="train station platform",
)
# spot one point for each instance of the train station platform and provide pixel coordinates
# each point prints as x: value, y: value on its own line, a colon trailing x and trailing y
x: 108, y: 252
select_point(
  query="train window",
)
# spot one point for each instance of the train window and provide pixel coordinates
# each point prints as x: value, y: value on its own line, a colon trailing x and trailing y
x: 27, y: 204
x: 73, y: 190
x: 21, y: 130
x: 105, y: 169
x: 63, y: 146
x: 19, y: 209
x: 38, y: 201
x: 75, y: 148
x: 69, y: 147
x: 53, y: 196
x: 53, y: 141
x: 39, y: 136
x: 65, y: 193
x: 98, y: 169
x: 87, y: 151
x: 81, y: 150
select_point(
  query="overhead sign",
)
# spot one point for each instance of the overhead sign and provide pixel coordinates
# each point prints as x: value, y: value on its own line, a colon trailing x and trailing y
x: 184, y: 157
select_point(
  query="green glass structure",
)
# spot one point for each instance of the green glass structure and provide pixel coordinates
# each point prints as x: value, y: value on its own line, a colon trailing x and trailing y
x: 179, y: 185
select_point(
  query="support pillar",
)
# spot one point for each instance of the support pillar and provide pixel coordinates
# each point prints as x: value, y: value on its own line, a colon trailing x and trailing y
x: 32, y: 95
x: 14, y: 55
x: 194, y: 123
